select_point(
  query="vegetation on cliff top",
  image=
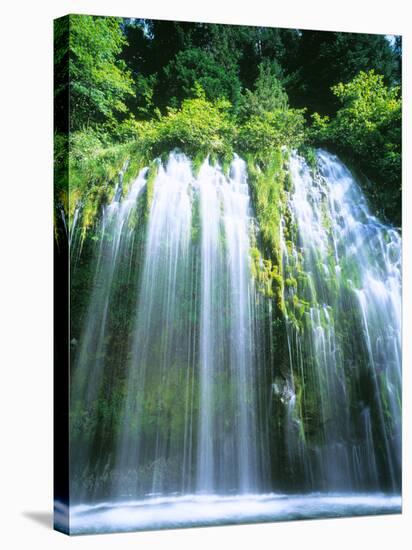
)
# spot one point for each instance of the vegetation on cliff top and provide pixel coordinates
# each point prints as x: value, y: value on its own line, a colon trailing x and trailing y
x: 367, y: 129
x: 216, y: 89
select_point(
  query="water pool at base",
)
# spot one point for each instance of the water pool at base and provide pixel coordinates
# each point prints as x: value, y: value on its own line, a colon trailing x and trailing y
x: 202, y: 510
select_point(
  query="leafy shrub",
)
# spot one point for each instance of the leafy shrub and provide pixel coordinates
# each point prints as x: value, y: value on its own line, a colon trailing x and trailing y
x: 260, y: 135
x: 367, y: 129
x: 86, y: 144
x: 199, y: 126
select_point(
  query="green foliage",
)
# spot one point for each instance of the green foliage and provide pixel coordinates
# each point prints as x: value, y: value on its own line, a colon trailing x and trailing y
x: 87, y: 144
x: 268, y: 123
x: 144, y: 90
x: 99, y: 80
x: 269, y: 198
x: 94, y: 166
x: 309, y: 153
x: 367, y: 128
x: 198, y: 127
x: 268, y: 95
x: 199, y: 66
x: 61, y: 75
x: 325, y: 58
x: 266, y: 274
x: 61, y: 173
x: 319, y: 129
x: 95, y: 160
x: 215, y: 89
x: 260, y: 135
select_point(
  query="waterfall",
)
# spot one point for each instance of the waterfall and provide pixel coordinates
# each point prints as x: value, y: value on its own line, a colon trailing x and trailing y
x: 159, y: 381
x: 226, y: 461
x: 111, y: 261
x: 187, y: 377
x: 193, y: 387
x: 344, y: 328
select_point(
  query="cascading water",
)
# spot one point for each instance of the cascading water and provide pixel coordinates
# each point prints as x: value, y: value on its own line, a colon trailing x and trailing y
x: 192, y: 337
x: 227, y: 454
x: 163, y: 347
x: 344, y: 275
x: 111, y: 269
x: 175, y: 371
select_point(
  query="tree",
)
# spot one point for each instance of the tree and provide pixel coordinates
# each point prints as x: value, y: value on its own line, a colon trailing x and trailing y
x: 327, y: 58
x: 197, y: 65
x: 99, y: 80
x: 268, y: 95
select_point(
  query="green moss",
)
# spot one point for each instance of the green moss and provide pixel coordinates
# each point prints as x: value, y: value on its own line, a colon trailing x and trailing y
x: 267, y: 179
x: 326, y: 215
x: 93, y: 176
x: 136, y: 163
x: 225, y: 162
x: 291, y: 282
x: 151, y: 176
x: 196, y: 222
x: 267, y: 185
x: 309, y: 153
x: 383, y: 390
x: 197, y: 161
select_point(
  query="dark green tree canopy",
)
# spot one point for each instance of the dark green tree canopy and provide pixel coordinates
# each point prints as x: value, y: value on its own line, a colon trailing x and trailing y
x: 326, y: 58
x: 268, y: 95
x: 197, y: 65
